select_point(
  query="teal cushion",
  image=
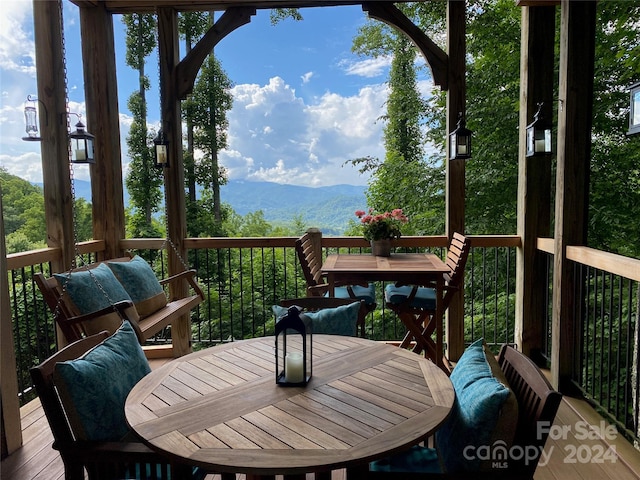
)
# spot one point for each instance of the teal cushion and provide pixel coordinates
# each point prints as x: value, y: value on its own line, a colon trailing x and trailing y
x: 137, y: 277
x: 140, y: 281
x: 368, y: 293
x: 93, y: 388
x: 340, y: 320
x: 417, y: 459
x: 425, y: 297
x: 479, y: 399
x: 83, y: 288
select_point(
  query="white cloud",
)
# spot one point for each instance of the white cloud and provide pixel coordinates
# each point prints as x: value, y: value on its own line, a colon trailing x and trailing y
x: 306, y: 78
x: 17, y: 50
x: 303, y: 144
x: 369, y: 68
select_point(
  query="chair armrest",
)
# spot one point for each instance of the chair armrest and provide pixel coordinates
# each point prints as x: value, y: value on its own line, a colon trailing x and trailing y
x: 189, y: 276
x: 110, y: 451
x: 120, y: 307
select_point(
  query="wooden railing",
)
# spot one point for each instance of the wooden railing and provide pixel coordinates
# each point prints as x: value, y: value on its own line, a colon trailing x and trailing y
x: 605, y: 349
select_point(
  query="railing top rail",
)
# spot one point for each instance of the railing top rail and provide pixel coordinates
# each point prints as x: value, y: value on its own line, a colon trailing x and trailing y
x: 617, y: 264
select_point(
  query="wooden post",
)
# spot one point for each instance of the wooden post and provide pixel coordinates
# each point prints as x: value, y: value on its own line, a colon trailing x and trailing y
x: 11, y: 426
x: 577, y: 47
x: 534, y: 179
x: 455, y: 191
x: 58, y: 207
x: 101, y: 94
x: 169, y: 54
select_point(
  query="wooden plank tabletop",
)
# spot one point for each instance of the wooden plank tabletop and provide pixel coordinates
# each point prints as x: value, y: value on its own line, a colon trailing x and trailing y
x: 409, y: 267
x: 221, y: 409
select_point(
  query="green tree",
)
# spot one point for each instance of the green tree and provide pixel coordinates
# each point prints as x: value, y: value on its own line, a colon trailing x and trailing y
x: 208, y: 106
x: 192, y: 26
x: 143, y: 181
x: 406, y: 179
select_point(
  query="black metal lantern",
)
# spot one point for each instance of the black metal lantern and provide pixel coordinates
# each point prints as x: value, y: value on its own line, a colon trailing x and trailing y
x: 538, y: 135
x: 162, y: 150
x: 81, y: 145
x: 293, y: 348
x: 31, y: 120
x: 460, y: 141
x: 634, y: 111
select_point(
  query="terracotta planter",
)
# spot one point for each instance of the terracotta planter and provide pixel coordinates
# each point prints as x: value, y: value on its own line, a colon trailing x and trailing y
x: 381, y: 248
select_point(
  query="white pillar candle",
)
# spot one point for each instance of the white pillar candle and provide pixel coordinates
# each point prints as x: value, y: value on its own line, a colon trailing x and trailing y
x: 81, y: 154
x: 293, y: 368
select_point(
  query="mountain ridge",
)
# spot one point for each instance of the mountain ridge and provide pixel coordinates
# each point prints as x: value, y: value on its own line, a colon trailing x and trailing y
x: 328, y: 208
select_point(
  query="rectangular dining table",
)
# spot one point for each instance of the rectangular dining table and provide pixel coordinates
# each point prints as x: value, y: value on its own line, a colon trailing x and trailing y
x: 221, y: 409
x: 403, y: 268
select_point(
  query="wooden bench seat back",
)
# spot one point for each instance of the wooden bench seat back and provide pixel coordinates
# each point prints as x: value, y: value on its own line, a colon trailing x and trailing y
x: 75, y: 326
x: 538, y: 404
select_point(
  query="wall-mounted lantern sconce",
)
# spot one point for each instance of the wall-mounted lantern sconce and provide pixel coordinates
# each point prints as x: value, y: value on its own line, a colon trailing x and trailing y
x: 634, y: 111
x: 460, y: 141
x: 161, y: 144
x: 31, y: 120
x: 81, y: 144
x: 538, y: 135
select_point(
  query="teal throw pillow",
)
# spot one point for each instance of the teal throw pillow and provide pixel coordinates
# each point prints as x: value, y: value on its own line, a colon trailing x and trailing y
x: 476, y: 409
x: 140, y: 281
x: 93, y: 388
x: 340, y: 320
x: 92, y: 290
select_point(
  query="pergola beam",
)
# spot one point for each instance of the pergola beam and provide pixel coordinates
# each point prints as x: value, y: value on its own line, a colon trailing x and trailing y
x: 436, y: 57
x: 187, y: 70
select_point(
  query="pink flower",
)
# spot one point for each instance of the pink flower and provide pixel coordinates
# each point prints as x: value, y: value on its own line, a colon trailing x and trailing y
x: 378, y: 226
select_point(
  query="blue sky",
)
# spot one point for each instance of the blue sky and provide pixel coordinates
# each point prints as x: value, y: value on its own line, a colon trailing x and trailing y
x: 303, y: 103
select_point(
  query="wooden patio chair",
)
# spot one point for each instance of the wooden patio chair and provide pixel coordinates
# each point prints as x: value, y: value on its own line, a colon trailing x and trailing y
x: 317, y: 286
x: 537, y: 405
x: 148, y: 316
x: 314, y: 304
x: 101, y: 459
x: 417, y: 303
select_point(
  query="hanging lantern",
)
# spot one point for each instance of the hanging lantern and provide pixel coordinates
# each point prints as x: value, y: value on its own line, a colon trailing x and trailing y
x: 81, y: 145
x: 460, y: 141
x: 162, y: 150
x: 293, y: 349
x: 31, y: 120
x: 538, y: 135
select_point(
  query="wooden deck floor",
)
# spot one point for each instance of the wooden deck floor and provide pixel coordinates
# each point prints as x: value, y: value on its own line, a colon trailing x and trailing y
x: 571, y: 456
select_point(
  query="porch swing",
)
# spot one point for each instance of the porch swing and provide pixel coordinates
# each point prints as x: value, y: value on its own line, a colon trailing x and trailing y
x: 94, y: 297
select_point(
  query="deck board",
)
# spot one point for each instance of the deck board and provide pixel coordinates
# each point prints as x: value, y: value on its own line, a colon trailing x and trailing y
x: 36, y: 460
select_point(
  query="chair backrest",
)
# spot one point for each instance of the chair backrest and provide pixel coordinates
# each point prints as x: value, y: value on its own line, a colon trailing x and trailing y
x: 538, y: 404
x: 42, y: 376
x: 457, y: 258
x: 457, y: 255
x: 314, y: 304
x: 310, y: 263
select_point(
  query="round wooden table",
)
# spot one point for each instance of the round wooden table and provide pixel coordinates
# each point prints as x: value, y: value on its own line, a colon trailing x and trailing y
x: 221, y: 409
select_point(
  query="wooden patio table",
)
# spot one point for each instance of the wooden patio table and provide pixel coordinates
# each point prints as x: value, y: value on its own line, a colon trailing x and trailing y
x: 404, y: 268
x: 221, y: 409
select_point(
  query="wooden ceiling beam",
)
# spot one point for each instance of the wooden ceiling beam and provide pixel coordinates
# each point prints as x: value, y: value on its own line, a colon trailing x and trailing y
x: 151, y: 6
x: 187, y: 70
x: 437, y: 58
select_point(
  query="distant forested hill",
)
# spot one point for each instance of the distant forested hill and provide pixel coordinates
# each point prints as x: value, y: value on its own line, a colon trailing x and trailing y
x: 327, y: 208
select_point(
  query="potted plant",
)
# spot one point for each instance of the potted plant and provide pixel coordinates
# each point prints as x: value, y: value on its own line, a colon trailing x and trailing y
x: 381, y: 228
